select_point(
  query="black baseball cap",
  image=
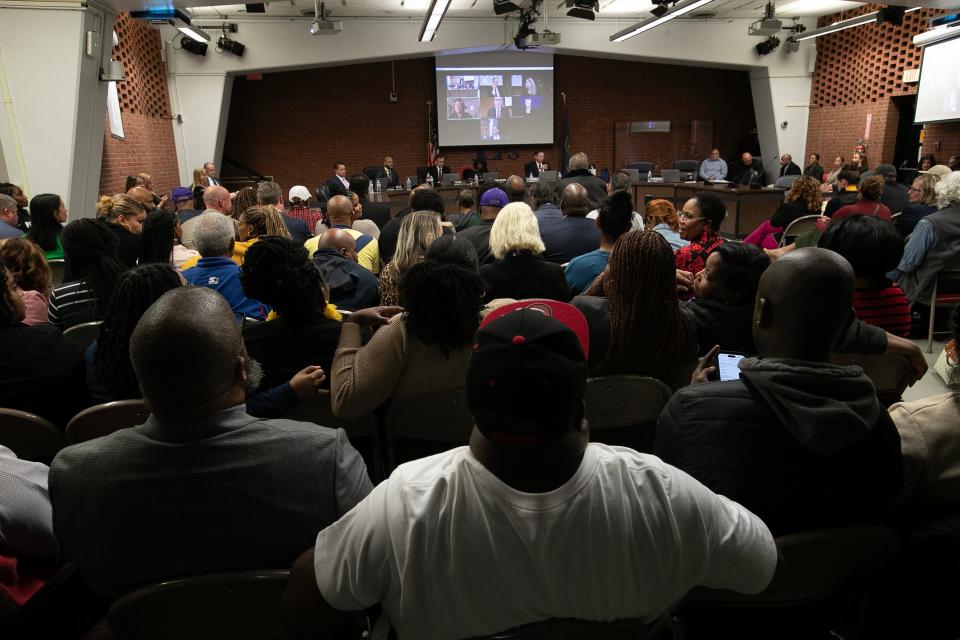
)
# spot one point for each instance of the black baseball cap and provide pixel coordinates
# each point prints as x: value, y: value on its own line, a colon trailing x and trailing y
x: 528, y: 372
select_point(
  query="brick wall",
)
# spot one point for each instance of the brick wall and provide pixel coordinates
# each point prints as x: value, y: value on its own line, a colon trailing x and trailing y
x: 858, y: 72
x: 942, y: 140
x: 148, y: 144
x: 294, y: 125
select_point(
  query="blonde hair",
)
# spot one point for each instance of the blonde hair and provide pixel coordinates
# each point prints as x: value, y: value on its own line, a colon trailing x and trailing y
x: 266, y: 221
x: 198, y: 175
x: 928, y: 188
x: 417, y: 232
x: 110, y: 208
x: 515, y: 229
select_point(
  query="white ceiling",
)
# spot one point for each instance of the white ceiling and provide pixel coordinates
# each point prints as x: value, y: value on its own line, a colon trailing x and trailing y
x: 721, y: 9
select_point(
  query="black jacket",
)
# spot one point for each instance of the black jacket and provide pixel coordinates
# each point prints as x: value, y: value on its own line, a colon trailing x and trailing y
x: 596, y: 187
x: 351, y: 286
x: 814, y: 171
x: 791, y: 169
x: 525, y: 275
x: 895, y: 196
x: 804, y: 445
x: 128, y: 249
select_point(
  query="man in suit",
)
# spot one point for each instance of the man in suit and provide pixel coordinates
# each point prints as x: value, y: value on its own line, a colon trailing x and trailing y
x: 201, y: 457
x: 578, y: 171
x: 270, y: 193
x: 437, y: 170
x: 788, y: 167
x: 338, y: 184
x: 748, y: 171
x: 498, y: 110
x: 534, y: 168
x: 388, y: 173
x: 574, y: 234
x: 210, y: 170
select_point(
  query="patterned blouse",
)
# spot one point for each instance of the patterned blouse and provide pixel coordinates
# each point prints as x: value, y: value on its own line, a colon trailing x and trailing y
x: 389, y: 285
x: 693, y: 257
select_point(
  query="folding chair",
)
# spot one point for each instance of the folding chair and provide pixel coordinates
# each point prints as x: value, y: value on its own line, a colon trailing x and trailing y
x: 30, y: 436
x: 821, y: 569
x: 427, y: 423
x: 363, y: 431
x: 950, y: 268
x: 83, y: 334
x: 623, y: 409
x: 244, y: 605
x: 572, y: 629
x: 889, y: 373
x: 103, y: 419
x: 57, y: 266
x: 798, y: 227
x: 785, y: 182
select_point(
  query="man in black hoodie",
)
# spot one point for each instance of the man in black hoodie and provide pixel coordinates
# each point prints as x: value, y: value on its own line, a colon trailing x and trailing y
x: 801, y: 442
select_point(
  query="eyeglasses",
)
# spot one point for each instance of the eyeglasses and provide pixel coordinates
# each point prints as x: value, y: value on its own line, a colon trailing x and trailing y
x: 686, y: 216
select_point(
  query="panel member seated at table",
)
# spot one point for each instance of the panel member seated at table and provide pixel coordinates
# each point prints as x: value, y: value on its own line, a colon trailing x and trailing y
x: 388, y: 173
x: 437, y: 170
x: 533, y: 168
x: 714, y: 167
x: 748, y: 171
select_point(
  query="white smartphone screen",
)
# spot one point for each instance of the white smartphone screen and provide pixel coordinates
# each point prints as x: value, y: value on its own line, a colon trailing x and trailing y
x: 727, y: 365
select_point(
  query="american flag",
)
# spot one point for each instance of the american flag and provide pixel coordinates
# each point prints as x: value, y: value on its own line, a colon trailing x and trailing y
x: 433, y: 144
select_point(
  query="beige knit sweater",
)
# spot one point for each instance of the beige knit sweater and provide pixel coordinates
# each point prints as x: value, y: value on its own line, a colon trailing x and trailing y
x: 394, y: 364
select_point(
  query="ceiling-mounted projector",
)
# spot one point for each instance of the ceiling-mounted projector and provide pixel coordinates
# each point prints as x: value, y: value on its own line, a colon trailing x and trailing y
x: 325, y: 28
x: 765, y: 27
x: 545, y: 39
x: 501, y: 7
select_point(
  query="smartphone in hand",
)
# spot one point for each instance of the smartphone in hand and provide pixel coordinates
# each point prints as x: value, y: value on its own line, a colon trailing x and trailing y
x: 728, y: 365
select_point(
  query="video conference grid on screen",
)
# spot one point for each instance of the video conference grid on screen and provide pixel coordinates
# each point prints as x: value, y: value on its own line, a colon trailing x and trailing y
x: 495, y: 105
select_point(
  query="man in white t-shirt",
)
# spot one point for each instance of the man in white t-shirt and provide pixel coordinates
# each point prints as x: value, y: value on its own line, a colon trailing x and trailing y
x: 530, y: 521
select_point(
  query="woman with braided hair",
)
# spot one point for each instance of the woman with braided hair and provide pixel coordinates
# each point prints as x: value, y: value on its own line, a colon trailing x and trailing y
x: 42, y: 371
x: 427, y: 348
x: 91, y: 272
x: 161, y: 240
x: 303, y: 329
x: 638, y: 327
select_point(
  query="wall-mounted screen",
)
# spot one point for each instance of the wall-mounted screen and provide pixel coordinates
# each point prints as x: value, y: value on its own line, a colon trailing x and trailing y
x: 938, y: 98
x: 495, y: 98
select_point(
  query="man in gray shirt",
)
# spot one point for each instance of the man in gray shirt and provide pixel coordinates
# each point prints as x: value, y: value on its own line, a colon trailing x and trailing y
x: 714, y: 167
x: 201, y: 487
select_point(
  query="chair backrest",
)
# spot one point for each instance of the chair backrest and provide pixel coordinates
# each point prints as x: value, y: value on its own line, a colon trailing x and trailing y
x: 889, y: 373
x: 623, y: 409
x: 236, y: 606
x: 686, y: 165
x: 371, y: 172
x: 818, y: 564
x: 422, y: 174
x: 103, y: 419
x: 319, y: 411
x: 84, y: 333
x: 572, y: 629
x: 57, y: 266
x: 427, y: 423
x: 797, y: 227
x: 30, y: 436
x: 785, y: 182
x: 640, y: 165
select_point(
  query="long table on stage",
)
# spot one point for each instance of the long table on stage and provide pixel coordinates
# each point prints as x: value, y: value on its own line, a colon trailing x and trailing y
x: 746, y: 207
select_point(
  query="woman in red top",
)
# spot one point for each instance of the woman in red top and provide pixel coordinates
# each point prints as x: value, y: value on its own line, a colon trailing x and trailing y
x: 871, y: 190
x: 700, y: 223
x: 872, y: 247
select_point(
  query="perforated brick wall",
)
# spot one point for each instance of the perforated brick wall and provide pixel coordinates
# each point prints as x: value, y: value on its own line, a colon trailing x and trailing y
x: 148, y: 144
x: 857, y: 72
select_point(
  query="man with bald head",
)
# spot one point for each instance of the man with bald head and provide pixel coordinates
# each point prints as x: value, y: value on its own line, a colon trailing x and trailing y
x: 801, y: 442
x: 578, y: 172
x: 515, y: 188
x: 215, y: 199
x: 574, y: 234
x: 351, y: 286
x: 341, y: 215
x: 201, y: 487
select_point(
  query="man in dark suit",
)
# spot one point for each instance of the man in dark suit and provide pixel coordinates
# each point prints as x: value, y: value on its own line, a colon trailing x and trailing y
x: 498, y: 110
x: 200, y: 456
x: 788, y: 167
x: 378, y: 212
x: 270, y: 193
x: 747, y: 171
x: 437, y: 170
x: 578, y: 171
x: 388, y: 173
x: 338, y: 184
x: 536, y: 166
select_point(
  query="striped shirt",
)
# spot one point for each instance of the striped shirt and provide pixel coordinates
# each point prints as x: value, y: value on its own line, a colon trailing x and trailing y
x: 885, y: 308
x: 71, y: 304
